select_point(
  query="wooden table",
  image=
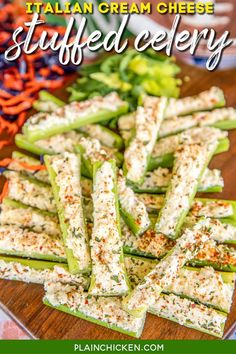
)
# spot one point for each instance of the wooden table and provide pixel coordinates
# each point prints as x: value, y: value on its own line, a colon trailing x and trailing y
x: 24, y: 301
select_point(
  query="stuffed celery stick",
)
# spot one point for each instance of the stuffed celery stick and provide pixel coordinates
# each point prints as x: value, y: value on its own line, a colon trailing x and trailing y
x: 164, y: 149
x: 205, y: 285
x: 223, y: 232
x: 24, y: 243
x: 212, y: 208
x: 187, y: 246
x: 138, y: 153
x: 56, y: 144
x: 28, y: 165
x: 21, y: 215
x: 190, y: 314
x: 189, y: 166
x: 74, y: 115
x: 35, y: 271
x: 223, y: 118
x: 30, y: 191
x: 132, y: 209
x: 220, y: 257
x: 106, y: 136
x: 104, y: 311
x: 92, y: 151
x: 150, y: 244
x: 64, y: 173
x: 157, y: 181
x: 49, y: 103
x: 108, y: 269
x: 206, y: 100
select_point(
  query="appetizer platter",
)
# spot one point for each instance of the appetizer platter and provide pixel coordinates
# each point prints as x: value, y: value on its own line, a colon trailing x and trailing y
x: 101, y: 220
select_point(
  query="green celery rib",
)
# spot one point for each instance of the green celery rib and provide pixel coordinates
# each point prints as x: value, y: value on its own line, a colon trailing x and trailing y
x: 87, y: 164
x: 17, y: 204
x: 228, y: 219
x: 72, y: 261
x: 225, y: 125
x: 178, y: 225
x: 92, y: 118
x: 167, y: 160
x: 22, y: 142
x: 32, y: 263
x: 204, y: 201
x: 215, y: 265
x: 96, y: 168
x: 41, y: 265
x: 46, y: 257
x: 162, y: 190
x: 46, y: 96
x: 190, y: 325
x: 81, y: 315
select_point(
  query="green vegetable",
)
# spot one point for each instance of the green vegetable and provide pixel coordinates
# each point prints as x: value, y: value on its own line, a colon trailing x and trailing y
x: 39, y: 267
x: 71, y: 233
x: 111, y: 232
x: 198, y: 158
x: 131, y: 74
x: 167, y: 160
x: 40, y: 126
x: 93, y: 319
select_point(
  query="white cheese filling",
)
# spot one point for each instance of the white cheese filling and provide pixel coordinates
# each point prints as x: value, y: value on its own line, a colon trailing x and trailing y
x: 130, y: 203
x: 148, y: 121
x: 29, y: 218
x: 190, y: 314
x: 150, y: 243
x: 67, y: 170
x: 60, y: 143
x: 105, y: 309
x: 18, y: 165
x: 17, y: 271
x: 161, y: 177
x: 94, y: 151
x: 205, y: 285
x: 221, y: 232
x: 14, y: 239
x: 96, y: 131
x: 108, y: 271
x: 70, y: 113
x: 189, y: 164
x: 30, y: 193
x: 203, y: 101
x: 218, y: 254
x: 145, y: 294
x: 171, y: 143
x: 200, y: 119
x: 212, y: 208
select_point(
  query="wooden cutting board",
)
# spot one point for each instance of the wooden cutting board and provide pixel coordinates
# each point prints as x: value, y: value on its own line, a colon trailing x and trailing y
x: 24, y: 301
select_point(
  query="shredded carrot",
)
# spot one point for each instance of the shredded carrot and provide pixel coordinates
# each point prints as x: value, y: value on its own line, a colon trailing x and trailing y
x: 21, y: 97
x: 4, y: 192
x: 21, y: 119
x: 31, y: 167
x: 57, y: 69
x: 45, y: 72
x: 5, y: 162
x: 4, y: 143
x: 10, y: 128
x: 23, y: 106
x: 5, y: 94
